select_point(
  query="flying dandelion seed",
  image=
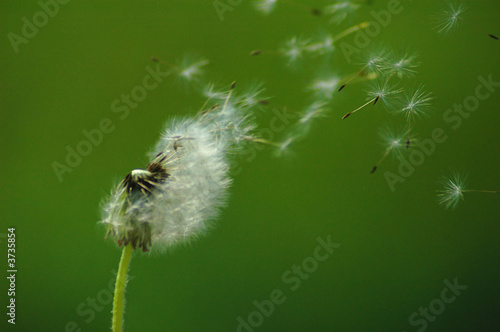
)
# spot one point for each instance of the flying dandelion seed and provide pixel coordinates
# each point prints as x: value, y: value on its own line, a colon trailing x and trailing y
x: 190, y: 69
x: 265, y: 6
x: 323, y: 45
x: 379, y: 91
x: 374, y: 65
x: 415, y: 105
x: 341, y: 10
x: 324, y: 88
x: 453, y: 189
x: 403, y: 66
x: 297, y: 47
x: 449, y: 19
x: 393, y: 142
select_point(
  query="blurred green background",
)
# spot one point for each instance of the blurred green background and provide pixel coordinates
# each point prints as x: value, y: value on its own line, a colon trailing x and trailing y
x: 396, y: 249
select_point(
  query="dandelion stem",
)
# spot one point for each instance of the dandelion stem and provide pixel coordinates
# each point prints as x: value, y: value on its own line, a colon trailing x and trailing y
x: 408, y: 134
x: 480, y: 191
x: 387, y: 151
x: 352, y: 29
x: 360, y: 107
x: 121, y: 281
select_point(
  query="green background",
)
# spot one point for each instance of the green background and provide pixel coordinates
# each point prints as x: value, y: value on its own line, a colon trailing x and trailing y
x: 396, y: 247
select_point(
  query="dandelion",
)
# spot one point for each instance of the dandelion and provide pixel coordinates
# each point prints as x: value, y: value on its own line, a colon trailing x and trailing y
x: 380, y: 90
x: 415, y: 104
x: 393, y: 143
x: 454, y: 188
x: 450, y: 17
x: 177, y: 196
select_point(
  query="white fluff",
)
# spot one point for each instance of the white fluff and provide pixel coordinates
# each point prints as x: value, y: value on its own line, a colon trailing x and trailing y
x: 185, y: 184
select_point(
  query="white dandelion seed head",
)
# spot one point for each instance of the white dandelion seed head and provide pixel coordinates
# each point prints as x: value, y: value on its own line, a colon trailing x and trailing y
x: 452, y: 190
x: 177, y: 196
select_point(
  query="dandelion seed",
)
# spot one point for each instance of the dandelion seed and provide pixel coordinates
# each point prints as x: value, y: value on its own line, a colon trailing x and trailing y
x: 403, y: 66
x: 374, y: 65
x: 284, y: 147
x: 379, y: 91
x: 317, y: 109
x: 324, y: 88
x: 253, y: 97
x: 449, y: 18
x: 453, y: 189
x: 341, y: 10
x: 393, y: 143
x: 415, y: 105
x: 265, y: 6
x: 294, y: 49
x: 323, y: 46
x: 190, y: 69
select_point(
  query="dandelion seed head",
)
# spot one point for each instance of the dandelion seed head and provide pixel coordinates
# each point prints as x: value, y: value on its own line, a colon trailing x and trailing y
x: 178, y: 195
x: 294, y: 49
x: 452, y: 190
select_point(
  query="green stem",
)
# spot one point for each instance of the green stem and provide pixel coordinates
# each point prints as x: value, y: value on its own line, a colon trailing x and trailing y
x: 121, y: 281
